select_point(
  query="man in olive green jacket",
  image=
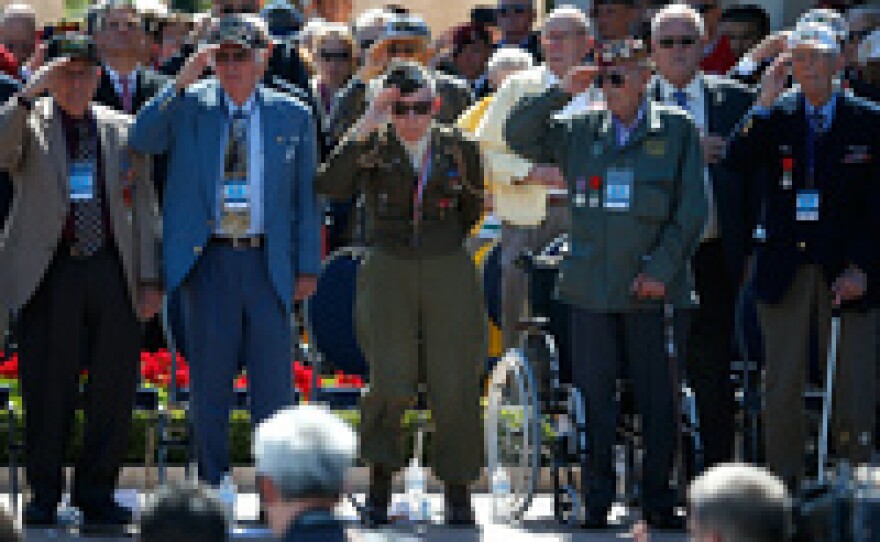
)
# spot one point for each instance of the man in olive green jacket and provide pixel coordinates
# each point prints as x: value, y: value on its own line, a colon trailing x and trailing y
x: 634, y: 174
x: 419, y: 299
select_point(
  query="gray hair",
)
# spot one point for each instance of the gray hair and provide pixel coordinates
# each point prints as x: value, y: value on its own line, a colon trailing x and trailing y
x: 676, y: 12
x: 741, y: 503
x: 305, y: 451
x: 571, y: 13
x: 19, y: 10
x: 508, y: 60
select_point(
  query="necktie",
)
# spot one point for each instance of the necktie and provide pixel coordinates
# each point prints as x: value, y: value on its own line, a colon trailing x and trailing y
x: 126, y: 94
x: 236, y: 206
x: 817, y: 122
x: 681, y: 99
x: 87, y: 213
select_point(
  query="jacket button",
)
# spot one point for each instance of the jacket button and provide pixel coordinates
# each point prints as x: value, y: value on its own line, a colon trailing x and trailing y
x: 802, y: 245
x: 197, y: 250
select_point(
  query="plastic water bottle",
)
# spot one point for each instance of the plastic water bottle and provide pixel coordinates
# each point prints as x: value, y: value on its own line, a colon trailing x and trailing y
x: 414, y: 480
x: 227, y: 494
x: 500, y: 492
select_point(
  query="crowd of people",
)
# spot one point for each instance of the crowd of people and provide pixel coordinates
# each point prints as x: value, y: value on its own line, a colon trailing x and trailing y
x: 211, y: 161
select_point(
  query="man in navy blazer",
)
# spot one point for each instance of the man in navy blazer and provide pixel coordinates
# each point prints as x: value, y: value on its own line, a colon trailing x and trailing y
x: 241, y: 222
x: 814, y: 150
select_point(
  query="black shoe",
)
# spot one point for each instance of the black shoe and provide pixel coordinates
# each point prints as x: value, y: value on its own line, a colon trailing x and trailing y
x: 106, y: 514
x: 37, y: 514
x: 665, y: 521
x: 595, y: 521
x: 378, y: 498
x: 459, y: 511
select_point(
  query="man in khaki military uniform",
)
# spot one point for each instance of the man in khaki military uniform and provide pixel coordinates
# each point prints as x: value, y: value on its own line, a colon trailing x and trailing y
x: 634, y: 175
x: 418, y: 291
x: 406, y: 37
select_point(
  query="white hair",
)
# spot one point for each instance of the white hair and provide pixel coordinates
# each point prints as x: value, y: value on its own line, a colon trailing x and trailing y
x: 571, y: 13
x: 741, y: 502
x: 677, y: 12
x: 305, y: 451
x: 506, y: 60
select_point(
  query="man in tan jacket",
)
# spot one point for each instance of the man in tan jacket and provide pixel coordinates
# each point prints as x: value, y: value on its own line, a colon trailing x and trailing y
x: 78, y: 264
x: 527, y: 222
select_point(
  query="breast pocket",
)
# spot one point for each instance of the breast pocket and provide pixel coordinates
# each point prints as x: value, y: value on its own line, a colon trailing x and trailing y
x: 651, y: 201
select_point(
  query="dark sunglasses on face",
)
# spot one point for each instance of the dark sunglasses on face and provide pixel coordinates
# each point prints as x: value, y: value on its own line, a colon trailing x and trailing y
x: 235, y: 10
x: 703, y: 9
x: 401, y: 49
x: 239, y: 55
x: 120, y: 26
x: 400, y: 109
x: 335, y: 55
x: 614, y: 79
x: 858, y: 35
x: 671, y: 41
x: 513, y: 9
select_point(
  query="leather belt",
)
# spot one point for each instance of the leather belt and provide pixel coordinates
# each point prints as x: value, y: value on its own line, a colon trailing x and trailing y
x: 239, y: 243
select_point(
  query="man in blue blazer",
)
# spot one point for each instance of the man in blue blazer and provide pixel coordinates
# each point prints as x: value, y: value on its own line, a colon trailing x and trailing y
x: 241, y: 222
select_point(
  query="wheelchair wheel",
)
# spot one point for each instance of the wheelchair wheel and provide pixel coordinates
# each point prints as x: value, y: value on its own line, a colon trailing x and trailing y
x: 513, y: 435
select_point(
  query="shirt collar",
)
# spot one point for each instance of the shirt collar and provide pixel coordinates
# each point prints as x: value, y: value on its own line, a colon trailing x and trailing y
x: 693, y: 90
x: 827, y: 110
x: 620, y: 127
x: 248, y: 106
x: 416, y: 151
x: 116, y: 77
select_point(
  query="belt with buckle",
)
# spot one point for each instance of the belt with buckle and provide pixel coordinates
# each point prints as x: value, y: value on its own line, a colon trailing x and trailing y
x: 239, y: 243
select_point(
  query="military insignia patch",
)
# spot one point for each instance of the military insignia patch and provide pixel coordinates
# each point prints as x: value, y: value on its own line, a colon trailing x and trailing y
x: 655, y: 147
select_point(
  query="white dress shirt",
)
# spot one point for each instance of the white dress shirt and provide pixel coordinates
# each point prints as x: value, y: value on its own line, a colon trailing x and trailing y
x: 255, y: 162
x: 116, y: 79
x: 697, y: 104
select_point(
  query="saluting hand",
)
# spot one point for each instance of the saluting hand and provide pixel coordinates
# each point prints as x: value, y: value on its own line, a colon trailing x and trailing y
x: 44, y: 79
x: 774, y: 80
x: 195, y: 66
x: 579, y: 79
x: 545, y: 175
x: 304, y: 287
x: 378, y: 111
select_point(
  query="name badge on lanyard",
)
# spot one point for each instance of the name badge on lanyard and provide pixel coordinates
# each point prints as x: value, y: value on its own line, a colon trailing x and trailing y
x: 82, y: 180
x: 618, y: 189
x: 807, y: 205
x: 236, y: 194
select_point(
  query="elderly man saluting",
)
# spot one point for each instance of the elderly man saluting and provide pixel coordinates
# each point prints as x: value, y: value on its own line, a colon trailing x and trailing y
x: 634, y: 175
x: 241, y: 220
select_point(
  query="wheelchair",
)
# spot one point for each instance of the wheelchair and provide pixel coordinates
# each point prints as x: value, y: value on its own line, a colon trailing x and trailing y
x: 537, y: 420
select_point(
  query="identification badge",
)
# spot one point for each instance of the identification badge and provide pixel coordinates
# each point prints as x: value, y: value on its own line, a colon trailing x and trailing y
x: 82, y: 181
x: 618, y: 189
x: 807, y: 203
x: 236, y: 194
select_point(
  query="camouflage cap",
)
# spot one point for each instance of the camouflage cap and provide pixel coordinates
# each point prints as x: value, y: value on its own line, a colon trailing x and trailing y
x: 72, y: 45
x: 619, y: 51
x: 241, y: 29
x: 406, y: 27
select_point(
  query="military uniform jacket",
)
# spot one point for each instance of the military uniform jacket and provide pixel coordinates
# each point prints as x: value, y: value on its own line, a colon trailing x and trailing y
x: 656, y: 235
x: 351, y: 103
x: 846, y: 177
x: 380, y: 168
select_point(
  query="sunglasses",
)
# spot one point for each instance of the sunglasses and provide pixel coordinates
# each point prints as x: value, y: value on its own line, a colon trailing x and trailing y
x: 682, y: 41
x: 120, y: 26
x: 401, y: 109
x: 614, y: 79
x: 703, y: 9
x: 335, y: 55
x: 235, y: 10
x: 859, y: 35
x: 238, y: 55
x: 402, y: 49
x: 513, y: 9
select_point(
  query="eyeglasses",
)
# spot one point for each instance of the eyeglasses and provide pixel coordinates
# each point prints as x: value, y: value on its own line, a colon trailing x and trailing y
x: 402, y: 49
x: 614, y: 79
x: 513, y: 9
x: 239, y: 9
x: 671, y: 41
x: 236, y: 55
x: 120, y: 26
x: 703, y: 9
x: 858, y: 35
x: 401, y: 109
x: 335, y: 55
